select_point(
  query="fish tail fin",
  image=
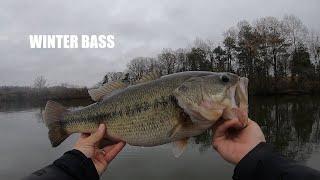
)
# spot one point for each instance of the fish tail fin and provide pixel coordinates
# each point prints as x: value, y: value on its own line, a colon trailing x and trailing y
x: 53, y: 115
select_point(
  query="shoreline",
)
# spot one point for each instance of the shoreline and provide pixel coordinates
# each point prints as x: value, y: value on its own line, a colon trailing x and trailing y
x: 87, y: 98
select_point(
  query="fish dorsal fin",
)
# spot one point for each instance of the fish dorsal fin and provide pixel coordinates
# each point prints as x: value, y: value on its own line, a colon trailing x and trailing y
x: 106, y: 89
x: 179, y: 147
x: 149, y: 77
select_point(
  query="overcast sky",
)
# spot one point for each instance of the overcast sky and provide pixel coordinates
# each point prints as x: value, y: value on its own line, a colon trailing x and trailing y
x: 141, y: 28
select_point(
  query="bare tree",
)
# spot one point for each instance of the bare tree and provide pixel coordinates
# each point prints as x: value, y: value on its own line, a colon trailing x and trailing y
x: 182, y: 61
x: 230, y: 42
x: 112, y: 76
x: 138, y: 67
x: 40, y: 82
x: 272, y: 34
x: 296, y: 30
x: 314, y: 47
x: 168, y: 61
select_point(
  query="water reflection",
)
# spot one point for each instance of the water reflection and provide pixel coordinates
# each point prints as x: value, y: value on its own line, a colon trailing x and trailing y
x: 290, y: 123
x: 29, y: 105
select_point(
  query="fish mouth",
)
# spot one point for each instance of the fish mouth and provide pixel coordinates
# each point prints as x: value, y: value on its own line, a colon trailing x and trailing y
x: 239, y: 102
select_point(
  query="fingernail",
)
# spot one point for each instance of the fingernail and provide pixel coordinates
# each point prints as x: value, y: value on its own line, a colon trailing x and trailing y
x: 101, y: 126
x: 103, y: 152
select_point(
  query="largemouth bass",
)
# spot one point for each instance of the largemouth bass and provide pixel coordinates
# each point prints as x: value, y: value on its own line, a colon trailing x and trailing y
x: 156, y: 110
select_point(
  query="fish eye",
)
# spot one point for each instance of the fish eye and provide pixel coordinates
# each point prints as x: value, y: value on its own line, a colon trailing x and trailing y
x: 225, y: 78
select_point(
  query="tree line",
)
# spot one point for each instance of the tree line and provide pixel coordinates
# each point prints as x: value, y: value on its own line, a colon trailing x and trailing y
x: 40, y: 92
x: 277, y: 55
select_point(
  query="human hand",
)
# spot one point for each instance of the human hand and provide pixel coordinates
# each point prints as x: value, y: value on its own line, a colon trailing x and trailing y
x: 233, y: 142
x: 88, y: 145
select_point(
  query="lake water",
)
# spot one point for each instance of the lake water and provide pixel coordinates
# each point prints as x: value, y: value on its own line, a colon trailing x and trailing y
x: 291, y: 123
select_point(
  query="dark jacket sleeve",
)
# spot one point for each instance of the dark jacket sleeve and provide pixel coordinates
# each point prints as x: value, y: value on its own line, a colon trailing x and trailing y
x: 264, y: 163
x: 73, y: 165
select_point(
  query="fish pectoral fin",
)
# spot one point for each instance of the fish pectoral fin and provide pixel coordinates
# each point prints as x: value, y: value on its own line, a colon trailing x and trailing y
x: 149, y: 77
x: 179, y: 147
x: 105, y: 90
x: 174, y: 130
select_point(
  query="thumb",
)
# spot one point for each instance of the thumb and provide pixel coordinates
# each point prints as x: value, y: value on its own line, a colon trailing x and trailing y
x: 221, y: 129
x: 98, y: 135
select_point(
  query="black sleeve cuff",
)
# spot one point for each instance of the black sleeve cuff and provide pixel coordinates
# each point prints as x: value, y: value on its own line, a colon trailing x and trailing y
x: 77, y: 165
x: 249, y: 164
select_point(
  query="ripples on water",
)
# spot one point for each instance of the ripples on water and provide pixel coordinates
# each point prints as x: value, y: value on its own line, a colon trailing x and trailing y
x: 290, y: 123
